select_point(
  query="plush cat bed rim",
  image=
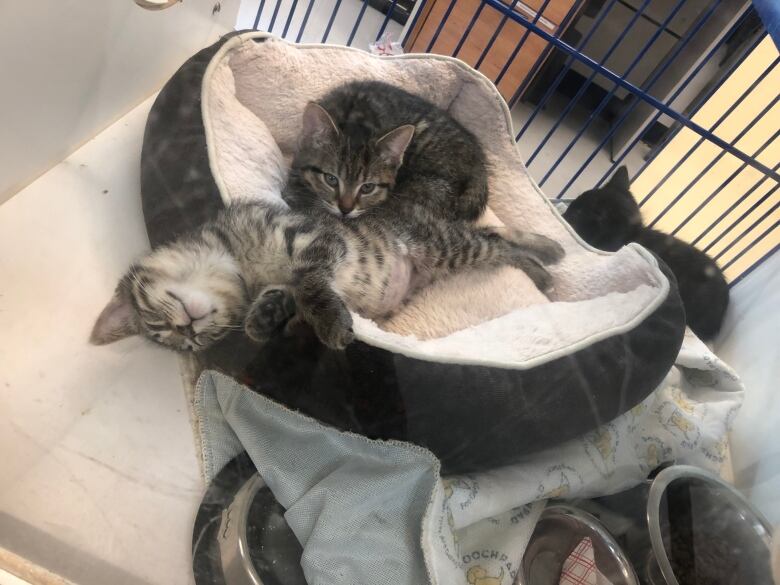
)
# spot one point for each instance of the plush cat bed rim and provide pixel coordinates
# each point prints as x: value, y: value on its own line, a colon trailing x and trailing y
x: 384, y: 341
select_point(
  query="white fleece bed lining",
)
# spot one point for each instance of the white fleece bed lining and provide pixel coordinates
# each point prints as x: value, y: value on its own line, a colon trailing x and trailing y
x: 597, y: 295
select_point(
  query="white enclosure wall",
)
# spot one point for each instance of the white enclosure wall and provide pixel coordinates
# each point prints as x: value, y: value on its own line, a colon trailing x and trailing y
x: 84, y: 474
x: 71, y: 67
x: 750, y: 343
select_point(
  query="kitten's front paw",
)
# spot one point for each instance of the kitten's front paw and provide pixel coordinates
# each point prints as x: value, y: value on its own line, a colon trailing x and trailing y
x: 273, y: 307
x: 334, y: 327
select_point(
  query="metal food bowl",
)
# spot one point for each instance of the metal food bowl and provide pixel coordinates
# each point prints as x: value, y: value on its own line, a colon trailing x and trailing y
x: 685, y: 527
x: 559, y: 530
x: 702, y: 530
x: 240, y: 535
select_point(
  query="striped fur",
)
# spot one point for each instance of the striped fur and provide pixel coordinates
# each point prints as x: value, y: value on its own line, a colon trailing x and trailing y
x: 369, y: 144
x: 233, y: 272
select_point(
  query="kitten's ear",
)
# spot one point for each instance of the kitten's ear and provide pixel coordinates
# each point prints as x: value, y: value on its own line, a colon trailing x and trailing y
x: 620, y: 179
x: 393, y: 144
x: 117, y: 320
x: 318, y: 126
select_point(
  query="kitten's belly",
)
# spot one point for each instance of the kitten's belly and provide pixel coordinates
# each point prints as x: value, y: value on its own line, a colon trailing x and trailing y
x: 399, y: 282
x: 374, y: 291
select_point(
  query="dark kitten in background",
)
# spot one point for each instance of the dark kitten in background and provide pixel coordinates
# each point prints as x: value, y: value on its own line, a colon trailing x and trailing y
x: 608, y: 218
x: 367, y: 144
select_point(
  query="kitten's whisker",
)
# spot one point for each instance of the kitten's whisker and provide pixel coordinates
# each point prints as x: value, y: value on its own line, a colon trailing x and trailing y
x: 137, y: 280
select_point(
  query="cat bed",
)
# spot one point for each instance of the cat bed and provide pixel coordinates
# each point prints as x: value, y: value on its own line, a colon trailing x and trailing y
x: 481, y: 369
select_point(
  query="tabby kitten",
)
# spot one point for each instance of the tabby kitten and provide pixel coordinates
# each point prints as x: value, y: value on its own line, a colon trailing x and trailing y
x: 608, y: 218
x: 369, y: 143
x: 234, y: 272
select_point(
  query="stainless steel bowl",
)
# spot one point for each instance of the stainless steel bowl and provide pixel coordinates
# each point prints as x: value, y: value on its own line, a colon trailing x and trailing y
x: 686, y: 526
x: 256, y: 545
x: 559, y: 530
x: 233, y: 545
x: 717, y: 532
x: 156, y: 4
x: 240, y: 536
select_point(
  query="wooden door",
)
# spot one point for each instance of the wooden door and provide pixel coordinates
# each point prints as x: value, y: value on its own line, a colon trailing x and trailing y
x: 474, y: 44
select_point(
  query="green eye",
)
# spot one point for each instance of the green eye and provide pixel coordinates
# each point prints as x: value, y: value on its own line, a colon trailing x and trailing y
x: 331, y: 180
x: 366, y: 188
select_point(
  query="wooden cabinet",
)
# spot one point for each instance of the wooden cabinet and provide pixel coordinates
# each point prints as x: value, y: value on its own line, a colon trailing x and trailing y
x: 487, y: 22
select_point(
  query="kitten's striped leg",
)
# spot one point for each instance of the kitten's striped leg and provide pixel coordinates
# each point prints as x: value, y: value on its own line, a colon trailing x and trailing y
x: 535, y: 271
x: 530, y: 253
x: 320, y: 306
x: 498, y: 251
x: 270, y: 310
x: 448, y: 248
x: 547, y: 251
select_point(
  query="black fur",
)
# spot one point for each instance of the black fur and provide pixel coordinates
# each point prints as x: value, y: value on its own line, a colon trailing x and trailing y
x: 608, y: 218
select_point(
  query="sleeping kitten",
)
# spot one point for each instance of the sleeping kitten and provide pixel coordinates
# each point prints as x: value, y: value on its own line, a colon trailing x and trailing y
x: 369, y: 143
x: 608, y: 218
x: 235, y: 271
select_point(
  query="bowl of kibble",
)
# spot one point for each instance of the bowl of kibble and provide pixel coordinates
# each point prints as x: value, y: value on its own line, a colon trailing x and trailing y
x: 686, y: 526
x: 703, y: 532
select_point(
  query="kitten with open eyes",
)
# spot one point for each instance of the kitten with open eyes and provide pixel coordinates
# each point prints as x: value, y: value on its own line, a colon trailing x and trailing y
x: 368, y: 144
x: 235, y: 272
x: 608, y: 218
x: 371, y: 146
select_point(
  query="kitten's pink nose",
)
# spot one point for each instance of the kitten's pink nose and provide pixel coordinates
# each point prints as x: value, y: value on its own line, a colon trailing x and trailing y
x: 346, y: 205
x: 196, y: 305
x: 196, y: 309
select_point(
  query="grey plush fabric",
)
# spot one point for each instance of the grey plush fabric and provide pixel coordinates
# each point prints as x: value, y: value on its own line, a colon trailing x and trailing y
x: 355, y: 505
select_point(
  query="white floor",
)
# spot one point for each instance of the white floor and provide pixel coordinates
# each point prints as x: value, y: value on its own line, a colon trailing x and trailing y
x: 9, y: 579
x: 99, y: 480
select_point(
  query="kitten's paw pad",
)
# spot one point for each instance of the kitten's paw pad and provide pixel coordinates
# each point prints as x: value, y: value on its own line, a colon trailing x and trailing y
x: 335, y: 330
x: 257, y: 334
x: 273, y: 307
